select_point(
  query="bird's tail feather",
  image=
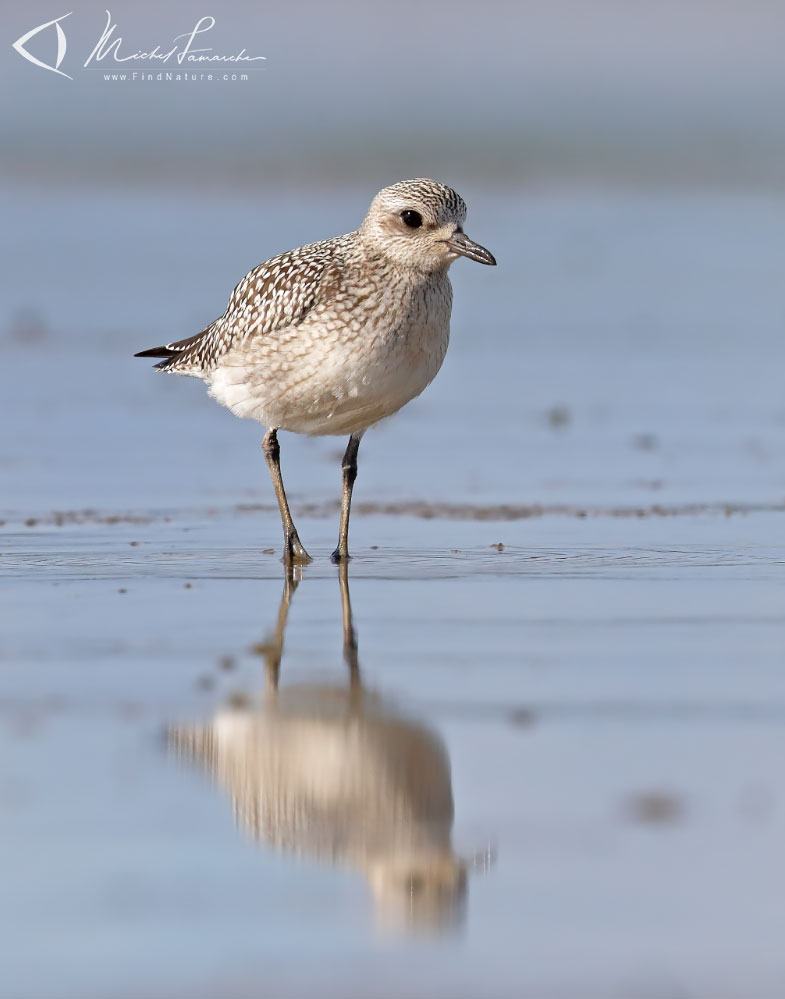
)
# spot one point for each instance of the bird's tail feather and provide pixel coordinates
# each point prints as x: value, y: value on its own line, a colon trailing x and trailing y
x: 157, y: 352
x: 180, y: 353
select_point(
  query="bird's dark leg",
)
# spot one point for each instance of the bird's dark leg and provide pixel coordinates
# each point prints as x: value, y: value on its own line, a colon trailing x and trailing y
x: 349, y: 469
x: 293, y: 550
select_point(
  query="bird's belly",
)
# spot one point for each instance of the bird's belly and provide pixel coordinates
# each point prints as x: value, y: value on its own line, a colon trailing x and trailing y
x: 341, y: 388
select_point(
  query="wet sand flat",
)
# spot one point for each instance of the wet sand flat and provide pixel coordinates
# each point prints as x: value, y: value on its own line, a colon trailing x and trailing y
x: 611, y: 705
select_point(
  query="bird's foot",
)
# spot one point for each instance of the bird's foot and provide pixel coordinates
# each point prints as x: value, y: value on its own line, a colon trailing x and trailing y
x: 293, y: 551
x: 340, y: 555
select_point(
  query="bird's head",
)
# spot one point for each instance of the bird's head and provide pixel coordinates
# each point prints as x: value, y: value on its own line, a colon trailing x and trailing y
x: 418, y: 225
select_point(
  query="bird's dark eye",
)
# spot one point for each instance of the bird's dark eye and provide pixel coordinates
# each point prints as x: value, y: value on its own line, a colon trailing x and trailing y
x: 412, y: 219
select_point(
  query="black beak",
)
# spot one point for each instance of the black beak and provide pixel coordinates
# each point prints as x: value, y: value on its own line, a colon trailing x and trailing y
x: 460, y: 243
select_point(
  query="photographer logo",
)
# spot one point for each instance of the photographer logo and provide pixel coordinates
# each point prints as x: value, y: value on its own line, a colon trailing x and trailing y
x: 19, y: 45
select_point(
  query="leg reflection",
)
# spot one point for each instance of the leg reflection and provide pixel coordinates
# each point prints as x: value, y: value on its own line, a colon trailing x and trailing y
x: 349, y: 633
x: 271, y: 650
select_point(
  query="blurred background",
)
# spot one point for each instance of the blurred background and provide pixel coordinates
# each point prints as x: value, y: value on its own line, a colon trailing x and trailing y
x: 352, y: 94
x: 567, y: 583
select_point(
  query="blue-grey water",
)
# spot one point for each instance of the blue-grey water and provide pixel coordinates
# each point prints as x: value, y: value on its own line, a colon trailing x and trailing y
x: 567, y: 589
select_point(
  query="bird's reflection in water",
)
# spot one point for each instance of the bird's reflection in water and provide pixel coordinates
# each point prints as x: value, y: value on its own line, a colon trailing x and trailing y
x: 336, y: 774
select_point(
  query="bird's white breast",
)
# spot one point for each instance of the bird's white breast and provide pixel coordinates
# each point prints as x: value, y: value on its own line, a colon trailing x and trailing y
x: 353, y: 361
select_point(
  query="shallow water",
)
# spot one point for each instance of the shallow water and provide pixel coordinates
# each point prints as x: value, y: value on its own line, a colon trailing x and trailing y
x: 567, y: 599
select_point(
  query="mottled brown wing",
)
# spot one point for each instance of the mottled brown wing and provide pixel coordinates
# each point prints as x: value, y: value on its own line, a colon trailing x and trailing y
x: 278, y: 293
